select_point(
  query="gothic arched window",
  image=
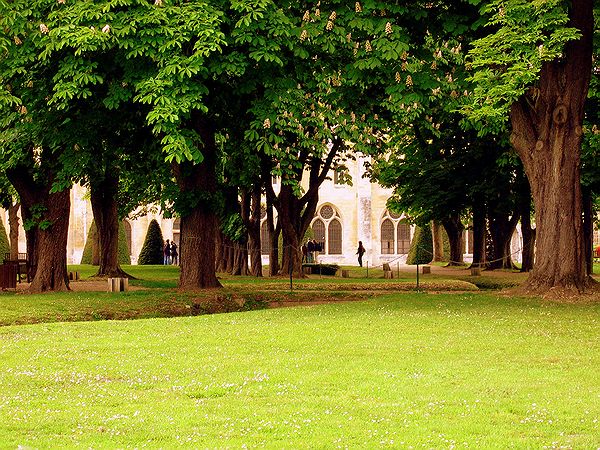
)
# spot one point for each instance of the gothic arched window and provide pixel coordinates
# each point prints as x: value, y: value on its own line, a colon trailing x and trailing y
x: 327, y: 230
x: 387, y: 237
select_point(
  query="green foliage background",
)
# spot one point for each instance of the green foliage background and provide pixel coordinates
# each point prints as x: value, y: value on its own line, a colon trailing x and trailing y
x: 152, y: 250
x: 4, y: 242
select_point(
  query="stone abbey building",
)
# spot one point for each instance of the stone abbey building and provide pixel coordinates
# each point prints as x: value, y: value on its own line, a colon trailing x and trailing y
x: 345, y: 215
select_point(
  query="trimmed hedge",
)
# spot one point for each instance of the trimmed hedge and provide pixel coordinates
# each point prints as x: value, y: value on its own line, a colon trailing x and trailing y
x: 421, y: 247
x: 152, y: 250
x: 325, y: 269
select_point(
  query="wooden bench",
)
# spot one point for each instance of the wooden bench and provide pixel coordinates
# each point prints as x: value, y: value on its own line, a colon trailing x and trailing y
x: 21, y: 264
x: 8, y: 276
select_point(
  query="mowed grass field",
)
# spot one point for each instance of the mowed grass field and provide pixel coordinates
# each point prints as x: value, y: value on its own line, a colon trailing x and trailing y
x: 399, y: 370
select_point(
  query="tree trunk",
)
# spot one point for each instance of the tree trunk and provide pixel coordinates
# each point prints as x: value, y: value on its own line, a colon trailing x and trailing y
x: 479, y: 229
x: 46, y: 216
x: 13, y: 225
x: 254, y: 234
x: 197, y: 184
x: 528, y: 233
x: 454, y: 228
x: 290, y: 217
x: 547, y: 133
x: 588, y: 229
x: 103, y: 196
x: 502, y: 229
x: 438, y: 241
x: 31, y: 238
x: 219, y: 251
x: 51, y: 273
x: 274, y: 232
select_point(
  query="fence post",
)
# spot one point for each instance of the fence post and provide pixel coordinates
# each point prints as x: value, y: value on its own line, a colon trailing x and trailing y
x: 367, y: 269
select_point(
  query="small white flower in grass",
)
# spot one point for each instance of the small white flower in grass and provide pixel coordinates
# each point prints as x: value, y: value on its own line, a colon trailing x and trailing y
x: 61, y: 2
x: 158, y: 2
x: 106, y: 28
x: 267, y: 123
x: 388, y: 28
x: 18, y: 41
x: 43, y: 28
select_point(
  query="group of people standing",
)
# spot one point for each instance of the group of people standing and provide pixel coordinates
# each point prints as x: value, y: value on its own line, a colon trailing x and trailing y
x: 310, y: 250
x: 170, y: 253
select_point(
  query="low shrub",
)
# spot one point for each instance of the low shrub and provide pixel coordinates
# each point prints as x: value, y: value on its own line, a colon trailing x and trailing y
x: 323, y: 269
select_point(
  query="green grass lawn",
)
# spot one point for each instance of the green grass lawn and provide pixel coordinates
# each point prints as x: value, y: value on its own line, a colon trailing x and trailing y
x: 440, y: 371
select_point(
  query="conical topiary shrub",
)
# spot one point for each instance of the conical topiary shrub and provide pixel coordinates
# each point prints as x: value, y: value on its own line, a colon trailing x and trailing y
x: 152, y: 250
x: 124, y: 256
x: 421, y: 247
x: 4, y: 242
x: 91, y: 249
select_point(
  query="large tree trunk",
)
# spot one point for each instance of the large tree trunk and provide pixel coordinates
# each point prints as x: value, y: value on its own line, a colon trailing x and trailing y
x: 103, y: 196
x: 438, y: 241
x: 547, y: 133
x: 454, y: 228
x: 51, y: 273
x: 290, y: 217
x: 13, y: 225
x: 254, y: 234
x: 197, y: 184
x: 479, y: 229
x: 48, y: 230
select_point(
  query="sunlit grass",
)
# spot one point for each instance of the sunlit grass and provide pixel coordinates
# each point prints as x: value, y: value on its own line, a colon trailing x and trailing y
x: 463, y: 370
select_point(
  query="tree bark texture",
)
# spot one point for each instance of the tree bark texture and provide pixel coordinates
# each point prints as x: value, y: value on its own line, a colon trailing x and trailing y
x: 295, y: 214
x: 197, y: 185
x: 254, y: 234
x: 293, y: 229
x: 479, y: 231
x: 588, y: 229
x: 527, y: 232
x: 274, y: 233
x: 103, y: 196
x: 46, y: 215
x: 502, y: 229
x: 438, y: 241
x: 454, y: 228
x: 13, y: 226
x: 547, y: 133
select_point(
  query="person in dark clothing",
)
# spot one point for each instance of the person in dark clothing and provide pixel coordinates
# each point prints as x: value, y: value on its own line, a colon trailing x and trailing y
x: 360, y: 252
x: 310, y: 248
x: 304, y: 249
x: 167, y: 253
x: 174, y: 254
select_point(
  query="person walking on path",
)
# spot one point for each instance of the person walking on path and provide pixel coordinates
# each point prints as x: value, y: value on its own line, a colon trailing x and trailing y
x: 304, y: 249
x: 174, y: 254
x: 360, y: 252
x: 167, y: 253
